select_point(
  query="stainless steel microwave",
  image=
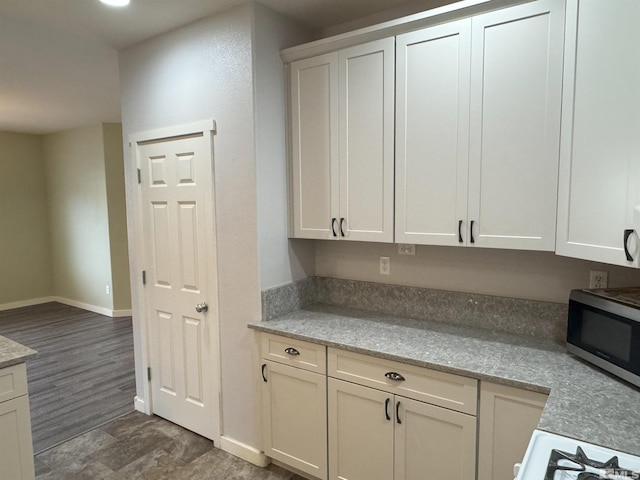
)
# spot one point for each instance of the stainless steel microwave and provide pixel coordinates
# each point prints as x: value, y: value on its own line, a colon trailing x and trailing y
x: 604, y: 329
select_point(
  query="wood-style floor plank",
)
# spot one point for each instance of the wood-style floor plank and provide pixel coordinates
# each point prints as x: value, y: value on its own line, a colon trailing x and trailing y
x: 84, y: 373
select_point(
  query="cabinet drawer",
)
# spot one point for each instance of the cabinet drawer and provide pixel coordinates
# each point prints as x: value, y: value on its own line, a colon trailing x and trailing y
x: 296, y: 353
x: 437, y: 388
x: 13, y: 382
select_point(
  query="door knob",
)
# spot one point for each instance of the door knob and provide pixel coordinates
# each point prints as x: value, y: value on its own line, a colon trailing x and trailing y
x: 202, y: 307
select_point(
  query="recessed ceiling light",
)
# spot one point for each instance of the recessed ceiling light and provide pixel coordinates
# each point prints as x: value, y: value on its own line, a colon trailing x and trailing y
x: 116, y: 3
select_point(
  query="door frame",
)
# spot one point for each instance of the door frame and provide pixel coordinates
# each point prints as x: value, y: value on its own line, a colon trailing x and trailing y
x: 145, y: 405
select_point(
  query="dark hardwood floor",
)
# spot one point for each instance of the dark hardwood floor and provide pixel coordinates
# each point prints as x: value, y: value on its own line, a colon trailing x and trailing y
x: 84, y: 373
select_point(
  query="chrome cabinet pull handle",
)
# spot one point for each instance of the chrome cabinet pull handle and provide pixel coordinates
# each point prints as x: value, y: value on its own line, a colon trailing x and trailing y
x: 394, y: 376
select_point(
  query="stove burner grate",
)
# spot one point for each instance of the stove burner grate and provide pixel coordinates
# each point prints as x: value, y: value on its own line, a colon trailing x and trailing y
x: 578, y: 462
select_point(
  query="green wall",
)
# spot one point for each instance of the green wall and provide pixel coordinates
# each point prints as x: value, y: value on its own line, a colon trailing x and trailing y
x: 78, y: 217
x: 25, y: 261
x: 116, y: 201
x: 63, y: 226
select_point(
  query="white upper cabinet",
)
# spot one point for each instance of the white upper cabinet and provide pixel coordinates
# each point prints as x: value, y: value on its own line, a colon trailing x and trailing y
x: 314, y: 138
x: 516, y: 95
x: 478, y: 129
x: 432, y: 133
x: 342, y: 125
x: 599, y: 200
x: 366, y: 141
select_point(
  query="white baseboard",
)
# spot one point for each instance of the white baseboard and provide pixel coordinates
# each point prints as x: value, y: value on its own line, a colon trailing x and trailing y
x: 26, y: 303
x: 243, y: 451
x: 85, y: 306
x: 139, y: 405
x: 66, y: 301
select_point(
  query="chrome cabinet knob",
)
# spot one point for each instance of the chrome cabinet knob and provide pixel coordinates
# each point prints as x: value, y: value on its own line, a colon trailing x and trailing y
x: 202, y: 307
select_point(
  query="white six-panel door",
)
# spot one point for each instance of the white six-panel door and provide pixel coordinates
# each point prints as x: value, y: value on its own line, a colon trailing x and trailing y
x: 516, y: 91
x: 432, y: 134
x: 177, y: 214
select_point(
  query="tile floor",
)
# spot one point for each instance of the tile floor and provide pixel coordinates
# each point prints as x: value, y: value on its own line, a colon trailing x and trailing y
x: 138, y: 446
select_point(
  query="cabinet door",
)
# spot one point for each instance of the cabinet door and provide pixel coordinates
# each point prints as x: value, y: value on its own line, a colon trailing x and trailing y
x: 432, y: 134
x: 508, y: 417
x: 295, y: 418
x: 600, y: 153
x: 516, y: 87
x: 16, y: 451
x: 360, y: 432
x: 433, y: 442
x: 366, y: 141
x: 314, y: 142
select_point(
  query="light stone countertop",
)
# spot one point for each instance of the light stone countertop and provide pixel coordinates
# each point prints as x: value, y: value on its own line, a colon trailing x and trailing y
x: 12, y: 352
x: 584, y: 402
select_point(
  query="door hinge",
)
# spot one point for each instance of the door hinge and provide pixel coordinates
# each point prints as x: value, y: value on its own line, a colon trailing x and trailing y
x: 139, y: 177
x: 149, y: 373
x: 144, y: 277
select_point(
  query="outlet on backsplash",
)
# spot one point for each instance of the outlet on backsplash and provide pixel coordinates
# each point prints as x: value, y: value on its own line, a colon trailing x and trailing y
x: 385, y: 266
x: 598, y: 279
x: 406, y: 249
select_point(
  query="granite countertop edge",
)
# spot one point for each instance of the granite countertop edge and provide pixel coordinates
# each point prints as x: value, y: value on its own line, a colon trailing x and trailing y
x: 478, y: 375
x: 603, y: 412
x: 13, y: 353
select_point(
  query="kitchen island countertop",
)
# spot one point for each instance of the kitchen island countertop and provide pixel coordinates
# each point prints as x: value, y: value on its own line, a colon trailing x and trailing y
x: 584, y: 402
x: 12, y: 352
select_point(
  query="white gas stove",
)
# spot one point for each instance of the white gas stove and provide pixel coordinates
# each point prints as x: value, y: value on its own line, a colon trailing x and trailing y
x: 553, y: 457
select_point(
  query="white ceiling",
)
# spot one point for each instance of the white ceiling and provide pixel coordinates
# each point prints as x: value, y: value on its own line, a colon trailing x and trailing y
x: 59, y: 62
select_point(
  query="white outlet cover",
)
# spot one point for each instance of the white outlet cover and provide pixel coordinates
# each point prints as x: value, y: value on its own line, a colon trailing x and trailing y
x: 598, y: 279
x: 385, y: 266
x: 406, y: 249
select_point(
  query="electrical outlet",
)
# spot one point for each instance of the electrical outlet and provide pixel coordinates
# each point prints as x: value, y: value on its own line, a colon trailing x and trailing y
x: 108, y: 289
x: 598, y: 279
x: 385, y: 266
x: 406, y: 249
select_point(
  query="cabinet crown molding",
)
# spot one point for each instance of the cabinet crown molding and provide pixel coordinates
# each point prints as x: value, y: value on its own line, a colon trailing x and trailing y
x: 446, y: 13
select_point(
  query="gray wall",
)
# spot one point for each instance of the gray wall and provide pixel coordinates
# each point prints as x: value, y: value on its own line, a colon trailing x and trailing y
x: 202, y: 71
x: 281, y: 260
x: 508, y: 273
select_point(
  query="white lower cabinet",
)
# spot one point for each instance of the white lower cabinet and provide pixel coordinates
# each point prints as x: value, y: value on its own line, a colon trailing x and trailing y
x: 433, y: 442
x: 16, y: 450
x: 360, y: 432
x: 339, y: 415
x: 377, y: 434
x: 295, y: 405
x: 508, y: 417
